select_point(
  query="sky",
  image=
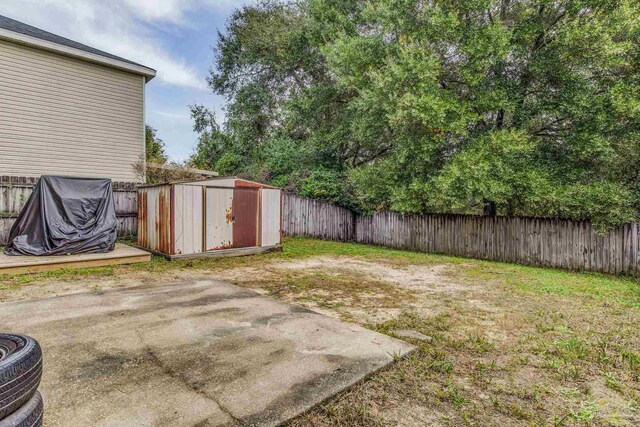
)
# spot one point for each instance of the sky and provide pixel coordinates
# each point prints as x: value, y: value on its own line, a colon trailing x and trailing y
x: 174, y: 37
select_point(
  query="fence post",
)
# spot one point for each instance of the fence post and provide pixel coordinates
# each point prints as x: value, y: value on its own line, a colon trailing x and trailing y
x: 545, y: 242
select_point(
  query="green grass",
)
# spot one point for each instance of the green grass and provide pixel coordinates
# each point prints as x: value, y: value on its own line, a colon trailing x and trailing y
x: 9, y: 280
x: 587, y: 285
x: 509, y: 344
x: 293, y: 248
x: 300, y: 247
x: 598, y: 287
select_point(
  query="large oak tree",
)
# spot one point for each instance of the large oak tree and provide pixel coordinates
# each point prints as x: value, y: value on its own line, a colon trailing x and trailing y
x: 435, y: 106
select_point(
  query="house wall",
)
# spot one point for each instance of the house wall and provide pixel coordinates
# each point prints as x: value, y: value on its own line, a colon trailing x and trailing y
x: 63, y: 116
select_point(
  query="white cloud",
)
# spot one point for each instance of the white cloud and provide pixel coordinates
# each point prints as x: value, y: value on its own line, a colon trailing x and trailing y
x: 174, y: 10
x: 125, y: 28
x: 159, y: 10
x: 179, y: 116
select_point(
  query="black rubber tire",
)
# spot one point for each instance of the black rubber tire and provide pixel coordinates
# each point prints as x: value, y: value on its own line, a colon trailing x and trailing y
x: 20, y: 371
x: 29, y: 414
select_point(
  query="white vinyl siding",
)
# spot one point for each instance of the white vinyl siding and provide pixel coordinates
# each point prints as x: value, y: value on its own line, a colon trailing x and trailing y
x: 65, y: 116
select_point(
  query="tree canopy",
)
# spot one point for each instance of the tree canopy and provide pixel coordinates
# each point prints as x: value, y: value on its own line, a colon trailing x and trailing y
x: 154, y: 146
x: 532, y: 107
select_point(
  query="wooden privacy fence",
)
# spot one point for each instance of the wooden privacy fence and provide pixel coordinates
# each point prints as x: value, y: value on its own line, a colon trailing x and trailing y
x: 540, y: 242
x: 14, y: 192
x: 315, y: 218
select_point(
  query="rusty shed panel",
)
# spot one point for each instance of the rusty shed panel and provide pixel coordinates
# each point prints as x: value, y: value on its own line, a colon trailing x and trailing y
x: 219, y: 218
x: 219, y: 182
x: 154, y: 218
x: 245, y: 217
x: 188, y: 212
x: 142, y: 218
x: 196, y: 218
x: 270, y: 213
x: 164, y: 219
x: 226, y: 182
x: 243, y: 183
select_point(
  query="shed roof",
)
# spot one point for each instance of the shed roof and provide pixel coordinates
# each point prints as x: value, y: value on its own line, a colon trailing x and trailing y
x: 238, y: 182
x: 22, y: 33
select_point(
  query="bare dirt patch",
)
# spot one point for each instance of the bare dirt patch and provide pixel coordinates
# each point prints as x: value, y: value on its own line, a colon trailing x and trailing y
x: 417, y: 277
x: 351, y: 288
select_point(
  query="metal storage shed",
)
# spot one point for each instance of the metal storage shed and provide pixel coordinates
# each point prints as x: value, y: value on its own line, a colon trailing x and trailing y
x: 212, y: 217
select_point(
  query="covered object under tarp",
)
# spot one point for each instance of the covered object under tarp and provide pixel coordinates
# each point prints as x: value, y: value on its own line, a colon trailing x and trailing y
x: 64, y: 216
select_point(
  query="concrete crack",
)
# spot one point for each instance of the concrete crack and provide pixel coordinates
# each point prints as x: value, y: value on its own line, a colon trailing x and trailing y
x: 178, y: 376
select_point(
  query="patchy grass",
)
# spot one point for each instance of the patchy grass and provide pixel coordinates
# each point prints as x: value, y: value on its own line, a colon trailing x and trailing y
x: 507, y: 344
x: 294, y: 248
x: 592, y: 286
x: 333, y: 291
x: 8, y: 281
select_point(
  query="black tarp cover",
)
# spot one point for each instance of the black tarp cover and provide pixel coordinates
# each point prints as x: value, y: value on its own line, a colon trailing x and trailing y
x: 65, y: 216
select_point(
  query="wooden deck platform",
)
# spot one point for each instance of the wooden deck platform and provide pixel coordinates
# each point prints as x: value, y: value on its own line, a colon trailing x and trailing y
x: 122, y: 254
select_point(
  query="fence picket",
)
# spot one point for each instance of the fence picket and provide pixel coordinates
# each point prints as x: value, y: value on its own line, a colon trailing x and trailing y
x: 543, y: 242
x: 531, y: 241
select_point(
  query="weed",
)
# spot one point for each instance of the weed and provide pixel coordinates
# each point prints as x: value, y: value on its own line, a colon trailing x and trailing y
x: 612, y: 382
x: 586, y: 412
x: 444, y: 365
x: 452, y: 393
x: 512, y: 345
x: 479, y: 344
x: 517, y: 411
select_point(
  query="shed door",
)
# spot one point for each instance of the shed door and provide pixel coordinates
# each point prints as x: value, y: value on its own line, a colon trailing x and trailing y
x: 187, y: 211
x: 271, y: 216
x: 245, y: 217
x: 219, y: 220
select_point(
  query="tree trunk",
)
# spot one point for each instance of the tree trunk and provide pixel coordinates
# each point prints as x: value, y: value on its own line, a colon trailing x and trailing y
x: 490, y: 208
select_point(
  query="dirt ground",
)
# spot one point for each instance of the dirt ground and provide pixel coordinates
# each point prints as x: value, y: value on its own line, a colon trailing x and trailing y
x: 498, y: 344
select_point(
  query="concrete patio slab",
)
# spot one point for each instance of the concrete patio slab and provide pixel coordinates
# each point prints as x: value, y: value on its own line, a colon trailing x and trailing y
x: 201, y: 353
